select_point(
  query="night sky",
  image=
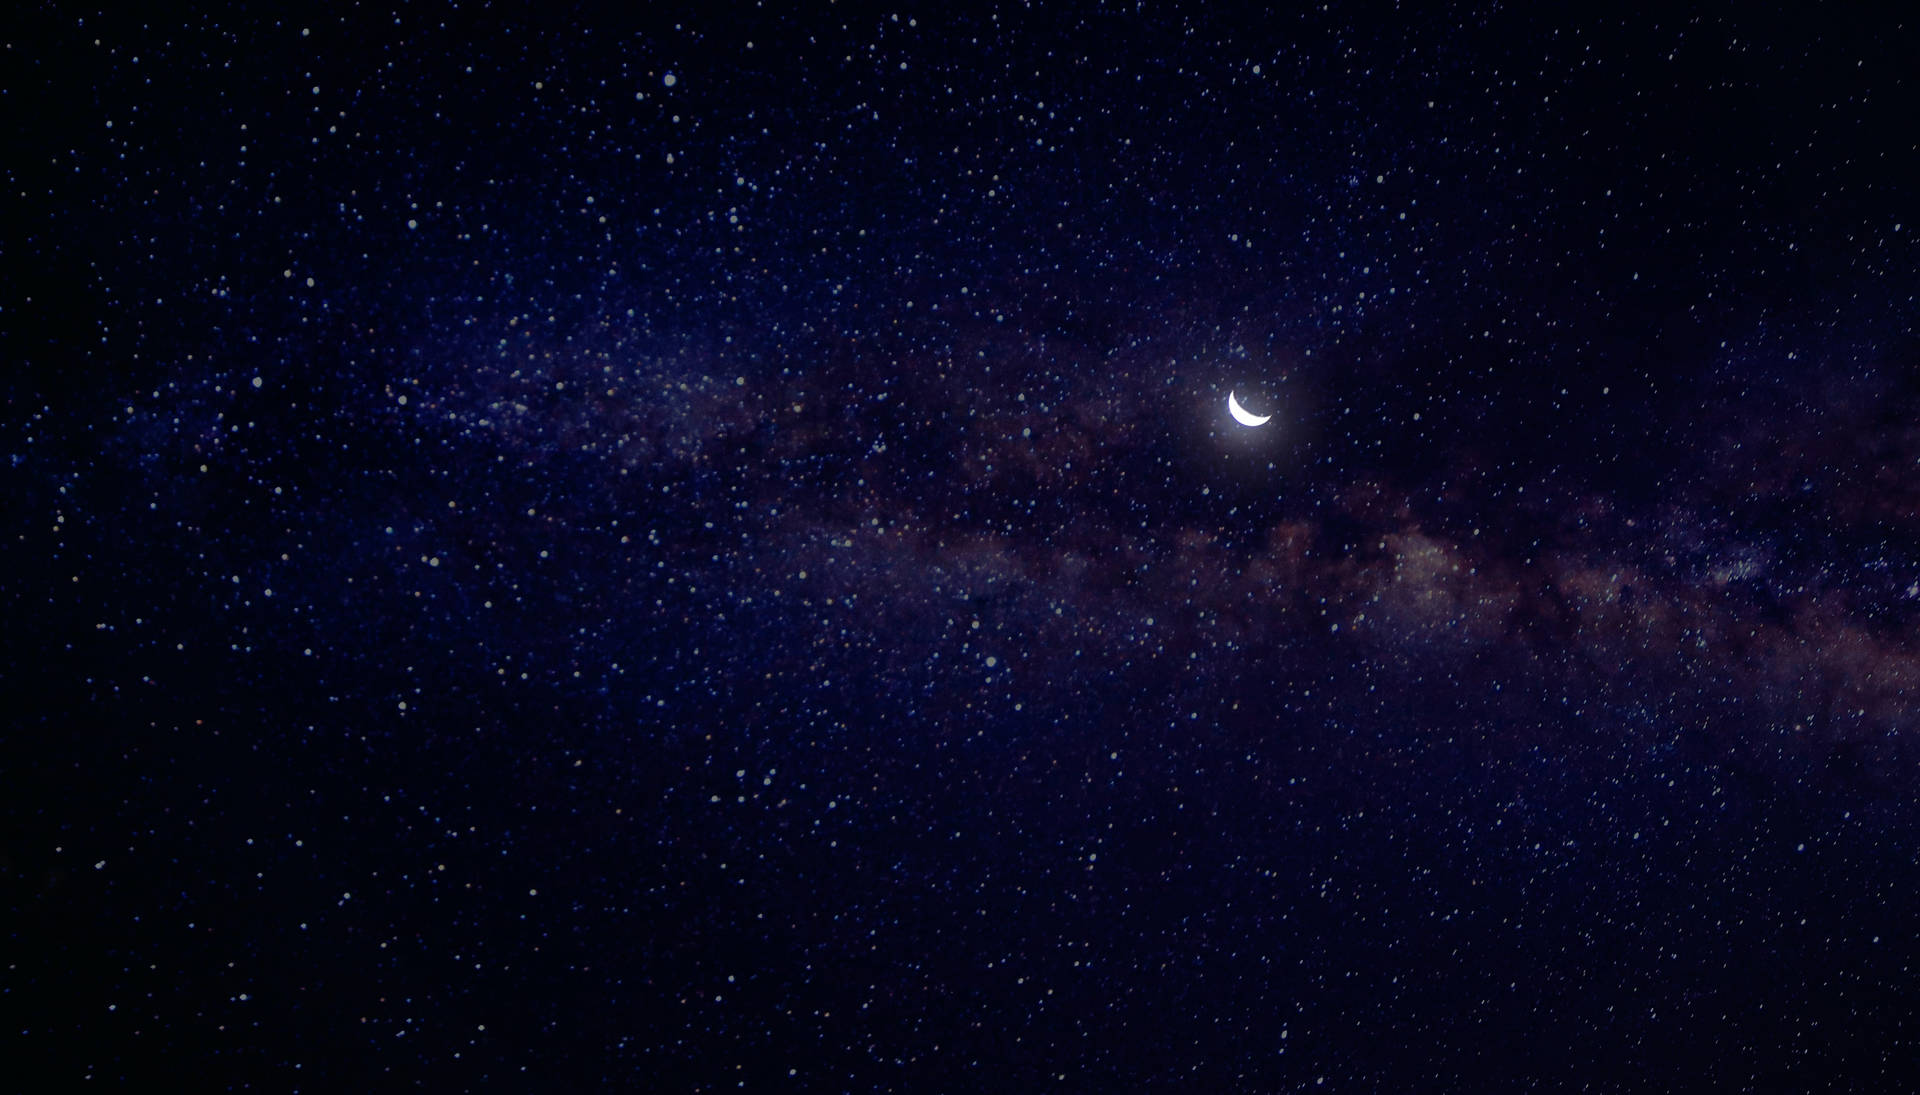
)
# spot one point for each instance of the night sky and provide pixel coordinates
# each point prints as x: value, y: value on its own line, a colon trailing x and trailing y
x: 702, y: 551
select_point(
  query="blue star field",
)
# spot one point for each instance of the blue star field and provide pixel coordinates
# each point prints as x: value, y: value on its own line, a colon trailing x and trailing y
x: 568, y: 550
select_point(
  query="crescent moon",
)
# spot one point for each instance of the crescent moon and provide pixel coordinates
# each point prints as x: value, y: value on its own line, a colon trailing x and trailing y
x: 1241, y: 415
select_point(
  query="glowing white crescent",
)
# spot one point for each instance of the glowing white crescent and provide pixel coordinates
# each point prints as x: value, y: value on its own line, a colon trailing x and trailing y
x: 1241, y: 415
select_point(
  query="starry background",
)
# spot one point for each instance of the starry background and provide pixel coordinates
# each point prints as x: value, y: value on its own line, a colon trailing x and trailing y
x: 557, y: 551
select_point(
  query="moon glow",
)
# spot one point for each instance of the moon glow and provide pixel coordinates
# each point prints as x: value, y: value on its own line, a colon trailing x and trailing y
x: 1242, y: 415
